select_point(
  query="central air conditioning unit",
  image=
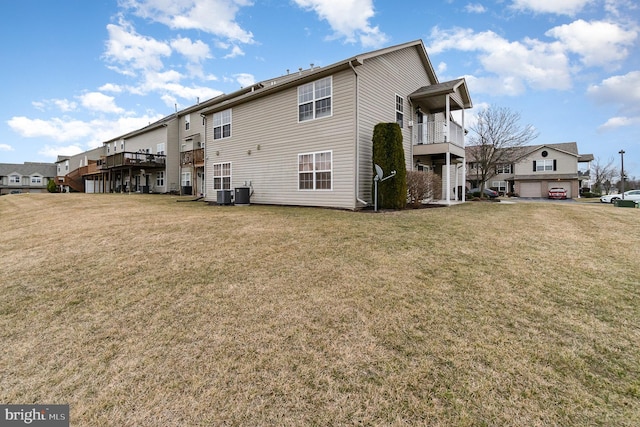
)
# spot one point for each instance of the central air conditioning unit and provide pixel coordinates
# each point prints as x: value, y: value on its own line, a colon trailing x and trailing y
x: 224, y: 197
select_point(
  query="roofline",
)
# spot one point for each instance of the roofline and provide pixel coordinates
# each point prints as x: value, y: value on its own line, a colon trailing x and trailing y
x: 266, y: 87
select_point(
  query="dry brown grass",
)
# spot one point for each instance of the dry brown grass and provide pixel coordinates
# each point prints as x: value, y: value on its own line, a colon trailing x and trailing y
x: 139, y: 311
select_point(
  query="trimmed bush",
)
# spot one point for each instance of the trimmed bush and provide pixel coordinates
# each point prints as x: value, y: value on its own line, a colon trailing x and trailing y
x: 388, y: 153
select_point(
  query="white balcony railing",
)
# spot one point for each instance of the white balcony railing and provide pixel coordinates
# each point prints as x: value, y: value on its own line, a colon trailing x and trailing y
x: 436, y: 133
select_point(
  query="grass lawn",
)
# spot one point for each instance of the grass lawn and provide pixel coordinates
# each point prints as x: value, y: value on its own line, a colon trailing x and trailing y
x: 140, y: 311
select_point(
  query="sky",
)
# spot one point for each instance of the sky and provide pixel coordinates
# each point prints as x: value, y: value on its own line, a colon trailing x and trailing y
x: 75, y: 73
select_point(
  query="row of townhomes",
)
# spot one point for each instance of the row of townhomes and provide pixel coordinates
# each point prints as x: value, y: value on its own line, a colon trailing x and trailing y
x: 304, y: 138
x: 530, y: 171
x: 26, y: 178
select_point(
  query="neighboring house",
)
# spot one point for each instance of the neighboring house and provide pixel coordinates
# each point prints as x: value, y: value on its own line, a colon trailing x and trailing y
x: 143, y: 161
x: 26, y: 178
x: 306, y: 138
x: 533, y: 170
x: 72, y: 171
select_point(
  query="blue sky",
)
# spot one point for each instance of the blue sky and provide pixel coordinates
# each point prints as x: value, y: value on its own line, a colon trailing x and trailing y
x: 76, y: 73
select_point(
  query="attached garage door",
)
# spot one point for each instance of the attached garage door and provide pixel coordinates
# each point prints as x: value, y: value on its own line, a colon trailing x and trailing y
x: 562, y: 184
x: 530, y: 189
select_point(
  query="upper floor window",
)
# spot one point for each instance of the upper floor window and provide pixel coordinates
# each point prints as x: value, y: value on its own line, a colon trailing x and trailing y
x: 504, y: 168
x: 315, y: 171
x: 160, y: 148
x: 66, y: 165
x: 14, y: 179
x: 187, y: 121
x: 544, y: 165
x: 222, y: 124
x: 122, y: 145
x: 222, y: 176
x: 400, y: 111
x: 36, y: 180
x: 314, y: 99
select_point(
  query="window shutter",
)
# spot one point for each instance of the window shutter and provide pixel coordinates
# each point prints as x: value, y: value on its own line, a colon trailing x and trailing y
x: 555, y: 165
x: 534, y: 165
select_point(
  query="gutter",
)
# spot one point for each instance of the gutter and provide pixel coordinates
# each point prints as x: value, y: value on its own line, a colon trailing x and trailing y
x: 357, y: 177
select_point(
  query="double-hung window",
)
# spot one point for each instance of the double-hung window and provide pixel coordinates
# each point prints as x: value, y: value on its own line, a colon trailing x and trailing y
x: 187, y: 121
x: 400, y: 110
x: 222, y: 176
x: 222, y: 124
x: 314, y: 99
x: 160, y: 179
x: 543, y: 165
x: 503, y: 168
x: 315, y: 171
x: 15, y: 179
x: 36, y: 180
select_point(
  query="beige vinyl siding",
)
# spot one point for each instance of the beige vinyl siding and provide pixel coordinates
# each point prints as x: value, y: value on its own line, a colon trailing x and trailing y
x: 266, y: 139
x: 380, y: 79
x: 172, y: 151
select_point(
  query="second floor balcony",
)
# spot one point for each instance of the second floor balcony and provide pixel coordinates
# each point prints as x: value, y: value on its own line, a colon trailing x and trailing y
x: 129, y: 159
x: 192, y: 157
x: 436, y: 133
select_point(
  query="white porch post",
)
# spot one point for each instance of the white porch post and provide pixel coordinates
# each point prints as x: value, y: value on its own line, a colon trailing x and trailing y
x: 446, y: 119
x: 448, y: 180
x: 464, y: 162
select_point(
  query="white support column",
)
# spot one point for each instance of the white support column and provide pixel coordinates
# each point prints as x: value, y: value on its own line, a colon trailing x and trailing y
x: 448, y: 179
x: 446, y: 119
x: 464, y: 161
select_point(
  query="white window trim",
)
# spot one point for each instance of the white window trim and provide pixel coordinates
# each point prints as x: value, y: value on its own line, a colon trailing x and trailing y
x: 160, y: 148
x: 186, y: 182
x: 222, y: 124
x: 160, y: 176
x: 221, y: 176
x: 397, y: 98
x: 187, y: 121
x: 36, y: 180
x: 314, y: 100
x: 314, y: 171
x: 14, y: 181
x: 546, y: 162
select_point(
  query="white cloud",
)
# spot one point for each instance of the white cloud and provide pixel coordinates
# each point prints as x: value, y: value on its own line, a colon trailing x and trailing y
x: 618, y: 122
x: 513, y: 65
x: 245, y: 79
x: 558, y: 7
x: 63, y: 105
x: 55, y: 151
x: 475, y: 8
x: 597, y: 43
x: 348, y: 19
x: 132, y: 51
x: 622, y: 91
x: 235, y: 51
x: 6, y: 147
x: 217, y: 17
x: 110, y: 87
x: 194, y: 51
x: 100, y: 102
x: 91, y: 133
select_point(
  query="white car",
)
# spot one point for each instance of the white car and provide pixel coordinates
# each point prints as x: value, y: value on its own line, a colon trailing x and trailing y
x: 628, y: 195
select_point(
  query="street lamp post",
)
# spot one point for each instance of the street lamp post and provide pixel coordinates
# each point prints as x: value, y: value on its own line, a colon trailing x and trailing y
x: 621, y: 152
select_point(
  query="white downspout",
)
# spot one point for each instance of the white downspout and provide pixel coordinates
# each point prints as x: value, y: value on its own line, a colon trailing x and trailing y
x: 357, y: 177
x: 204, y: 169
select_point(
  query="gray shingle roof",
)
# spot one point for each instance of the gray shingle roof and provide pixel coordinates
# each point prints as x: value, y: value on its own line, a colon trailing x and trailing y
x: 48, y: 170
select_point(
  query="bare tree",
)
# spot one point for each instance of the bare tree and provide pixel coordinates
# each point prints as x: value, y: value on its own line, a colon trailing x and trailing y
x: 495, y: 139
x: 602, y: 173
